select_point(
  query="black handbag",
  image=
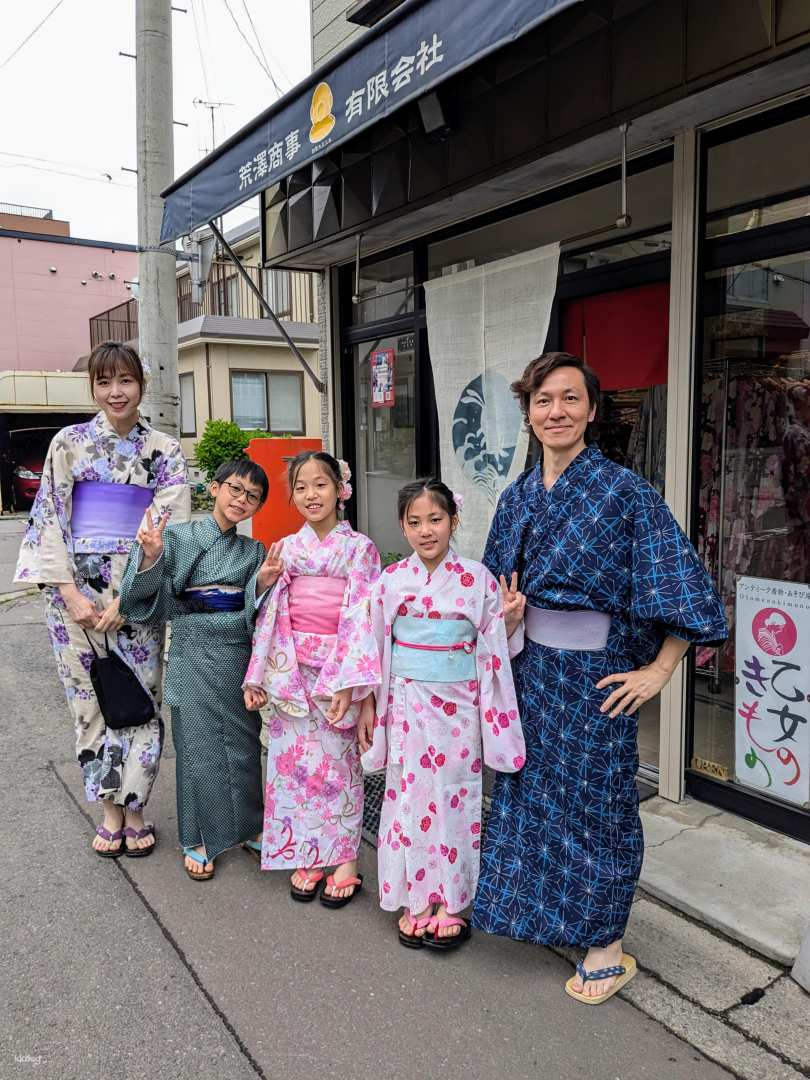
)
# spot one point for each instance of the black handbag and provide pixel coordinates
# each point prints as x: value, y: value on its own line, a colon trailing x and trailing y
x: 124, y: 701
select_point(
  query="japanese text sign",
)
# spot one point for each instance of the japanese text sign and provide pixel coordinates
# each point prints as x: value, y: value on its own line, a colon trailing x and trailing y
x: 381, y: 364
x: 772, y: 699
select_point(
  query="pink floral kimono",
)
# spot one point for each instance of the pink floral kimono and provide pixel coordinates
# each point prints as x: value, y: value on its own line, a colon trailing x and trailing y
x: 445, y: 706
x: 313, y: 638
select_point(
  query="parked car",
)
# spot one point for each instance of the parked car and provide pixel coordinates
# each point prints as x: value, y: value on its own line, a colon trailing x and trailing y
x: 28, y: 449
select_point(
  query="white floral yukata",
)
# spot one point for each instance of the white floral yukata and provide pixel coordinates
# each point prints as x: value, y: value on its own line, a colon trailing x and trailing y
x: 313, y: 810
x: 434, y: 736
x: 116, y: 765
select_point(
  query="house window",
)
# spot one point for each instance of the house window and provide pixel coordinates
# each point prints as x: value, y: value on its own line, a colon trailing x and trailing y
x: 287, y: 403
x: 249, y: 400
x: 188, y: 412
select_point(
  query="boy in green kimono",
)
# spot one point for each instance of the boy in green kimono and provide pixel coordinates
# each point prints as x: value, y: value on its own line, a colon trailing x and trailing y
x: 208, y: 582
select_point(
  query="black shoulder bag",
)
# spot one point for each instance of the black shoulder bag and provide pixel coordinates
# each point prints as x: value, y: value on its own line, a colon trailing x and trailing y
x: 123, y: 700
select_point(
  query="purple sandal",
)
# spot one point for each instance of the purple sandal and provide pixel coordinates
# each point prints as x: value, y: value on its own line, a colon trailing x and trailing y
x: 139, y: 834
x: 105, y: 834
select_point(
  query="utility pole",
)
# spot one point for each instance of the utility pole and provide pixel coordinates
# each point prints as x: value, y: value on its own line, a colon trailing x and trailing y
x: 157, y: 307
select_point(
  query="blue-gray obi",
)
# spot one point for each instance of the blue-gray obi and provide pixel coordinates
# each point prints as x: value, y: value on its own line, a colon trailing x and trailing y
x: 433, y: 650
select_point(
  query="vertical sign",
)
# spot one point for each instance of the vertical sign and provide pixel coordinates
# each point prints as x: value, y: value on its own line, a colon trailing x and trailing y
x: 381, y: 365
x: 772, y: 700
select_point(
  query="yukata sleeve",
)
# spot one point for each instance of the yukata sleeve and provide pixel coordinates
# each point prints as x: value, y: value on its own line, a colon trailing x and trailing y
x: 172, y: 492
x: 670, y: 587
x: 269, y: 615
x: 147, y: 596
x: 376, y: 757
x: 501, y: 731
x: 46, y: 553
x: 501, y: 557
x: 254, y: 603
x: 354, y: 661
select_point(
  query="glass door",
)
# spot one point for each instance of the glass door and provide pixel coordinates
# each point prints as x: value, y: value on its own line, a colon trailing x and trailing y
x: 385, y: 426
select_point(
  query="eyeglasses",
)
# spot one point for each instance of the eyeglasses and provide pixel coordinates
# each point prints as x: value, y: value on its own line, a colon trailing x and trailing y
x: 238, y: 491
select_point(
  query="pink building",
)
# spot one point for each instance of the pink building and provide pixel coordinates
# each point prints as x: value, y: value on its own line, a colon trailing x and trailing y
x: 50, y: 285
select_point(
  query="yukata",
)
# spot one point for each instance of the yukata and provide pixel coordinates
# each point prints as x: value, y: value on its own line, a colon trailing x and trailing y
x: 445, y: 707
x: 313, y: 638
x: 204, y: 584
x: 564, y: 843
x: 94, y: 490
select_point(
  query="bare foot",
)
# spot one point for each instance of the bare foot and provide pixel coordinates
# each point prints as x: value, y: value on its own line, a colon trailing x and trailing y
x: 596, y: 959
x: 133, y: 819
x: 195, y: 867
x: 342, y: 872
x: 445, y: 931
x: 113, y: 820
x: 408, y: 918
x: 303, y: 882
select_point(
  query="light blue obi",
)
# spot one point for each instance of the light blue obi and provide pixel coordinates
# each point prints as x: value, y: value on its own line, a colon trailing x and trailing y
x: 433, y: 650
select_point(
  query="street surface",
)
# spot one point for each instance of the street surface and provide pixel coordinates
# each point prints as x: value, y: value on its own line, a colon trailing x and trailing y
x: 127, y: 968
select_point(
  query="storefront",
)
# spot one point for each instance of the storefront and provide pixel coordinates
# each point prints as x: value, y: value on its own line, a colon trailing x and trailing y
x: 695, y: 313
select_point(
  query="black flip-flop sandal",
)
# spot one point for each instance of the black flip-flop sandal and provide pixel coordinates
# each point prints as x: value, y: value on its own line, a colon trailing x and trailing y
x: 447, y: 944
x: 306, y: 896
x: 139, y: 834
x: 105, y: 834
x: 341, y: 901
x: 414, y: 941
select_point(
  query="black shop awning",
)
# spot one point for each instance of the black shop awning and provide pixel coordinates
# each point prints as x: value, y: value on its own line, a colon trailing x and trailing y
x: 417, y: 47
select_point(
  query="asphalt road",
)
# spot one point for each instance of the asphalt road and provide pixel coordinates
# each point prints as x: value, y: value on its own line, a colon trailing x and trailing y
x: 129, y: 969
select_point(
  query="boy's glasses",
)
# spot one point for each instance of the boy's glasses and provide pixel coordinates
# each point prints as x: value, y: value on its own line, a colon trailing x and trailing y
x: 238, y: 491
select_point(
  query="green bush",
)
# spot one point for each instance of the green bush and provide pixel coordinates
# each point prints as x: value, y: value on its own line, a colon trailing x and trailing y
x: 221, y: 441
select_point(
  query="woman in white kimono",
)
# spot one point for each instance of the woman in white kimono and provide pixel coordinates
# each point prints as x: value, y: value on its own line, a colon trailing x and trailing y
x: 98, y: 480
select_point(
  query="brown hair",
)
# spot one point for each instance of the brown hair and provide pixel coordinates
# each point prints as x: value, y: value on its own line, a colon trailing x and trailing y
x: 112, y: 358
x: 538, y: 370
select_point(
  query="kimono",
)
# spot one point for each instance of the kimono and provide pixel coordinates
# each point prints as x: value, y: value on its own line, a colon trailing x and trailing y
x: 117, y: 765
x: 564, y: 844
x: 218, y: 763
x: 313, y: 812
x: 433, y: 735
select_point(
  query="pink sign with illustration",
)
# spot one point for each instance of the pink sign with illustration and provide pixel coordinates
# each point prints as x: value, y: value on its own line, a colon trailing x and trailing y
x: 772, y: 698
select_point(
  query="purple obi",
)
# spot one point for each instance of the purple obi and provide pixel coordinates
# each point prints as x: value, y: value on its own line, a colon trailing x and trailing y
x: 315, y: 604
x: 103, y: 511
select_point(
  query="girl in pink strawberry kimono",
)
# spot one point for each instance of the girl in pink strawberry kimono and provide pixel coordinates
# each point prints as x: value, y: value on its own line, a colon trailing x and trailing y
x: 446, y: 706
x: 314, y: 660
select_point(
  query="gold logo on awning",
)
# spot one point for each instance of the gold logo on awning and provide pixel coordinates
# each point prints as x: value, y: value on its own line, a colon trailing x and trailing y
x: 320, y: 113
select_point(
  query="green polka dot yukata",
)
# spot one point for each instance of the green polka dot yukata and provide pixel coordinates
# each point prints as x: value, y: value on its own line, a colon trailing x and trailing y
x: 219, y: 797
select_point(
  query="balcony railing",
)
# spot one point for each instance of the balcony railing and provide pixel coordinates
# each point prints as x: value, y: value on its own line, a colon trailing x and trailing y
x: 291, y: 295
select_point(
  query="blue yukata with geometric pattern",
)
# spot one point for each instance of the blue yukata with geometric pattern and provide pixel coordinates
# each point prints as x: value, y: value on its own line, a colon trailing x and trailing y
x: 564, y: 845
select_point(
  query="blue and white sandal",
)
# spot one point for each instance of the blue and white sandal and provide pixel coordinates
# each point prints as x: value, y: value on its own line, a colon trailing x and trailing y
x: 254, y: 848
x: 623, y: 972
x: 205, y: 875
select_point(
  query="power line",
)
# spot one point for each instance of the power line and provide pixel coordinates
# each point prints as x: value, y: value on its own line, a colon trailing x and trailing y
x: 25, y: 40
x: 72, y: 175
x: 246, y: 40
x: 200, y: 50
x: 278, y: 89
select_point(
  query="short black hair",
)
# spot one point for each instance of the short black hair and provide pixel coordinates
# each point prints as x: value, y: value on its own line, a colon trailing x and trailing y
x: 429, y: 485
x: 244, y: 469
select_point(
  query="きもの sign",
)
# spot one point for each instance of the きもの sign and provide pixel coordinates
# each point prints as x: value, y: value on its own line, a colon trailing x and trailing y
x: 772, y: 698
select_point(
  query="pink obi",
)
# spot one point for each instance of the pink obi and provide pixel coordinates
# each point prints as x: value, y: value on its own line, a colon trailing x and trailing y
x: 315, y: 604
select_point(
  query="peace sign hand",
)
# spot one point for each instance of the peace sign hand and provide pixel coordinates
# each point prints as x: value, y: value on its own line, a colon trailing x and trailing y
x: 514, y: 604
x: 150, y: 537
x: 271, y: 569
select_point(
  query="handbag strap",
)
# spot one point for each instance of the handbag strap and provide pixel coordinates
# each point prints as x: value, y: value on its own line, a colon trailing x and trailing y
x: 92, y: 646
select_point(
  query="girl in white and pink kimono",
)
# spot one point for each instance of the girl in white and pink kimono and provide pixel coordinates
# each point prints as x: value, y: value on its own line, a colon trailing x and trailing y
x: 446, y: 706
x: 314, y: 661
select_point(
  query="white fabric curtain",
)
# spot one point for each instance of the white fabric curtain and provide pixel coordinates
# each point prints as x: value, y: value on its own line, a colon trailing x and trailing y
x: 484, y: 325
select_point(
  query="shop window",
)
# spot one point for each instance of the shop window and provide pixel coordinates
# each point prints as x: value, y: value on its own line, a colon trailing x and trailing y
x: 287, y: 403
x: 188, y: 412
x: 631, y: 248
x: 249, y: 400
x: 386, y: 289
x: 752, y: 696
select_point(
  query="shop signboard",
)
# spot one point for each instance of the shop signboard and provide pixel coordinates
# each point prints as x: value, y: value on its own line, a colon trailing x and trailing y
x: 381, y: 365
x: 772, y: 698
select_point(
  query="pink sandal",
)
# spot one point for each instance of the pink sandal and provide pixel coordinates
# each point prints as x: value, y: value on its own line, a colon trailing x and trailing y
x: 311, y: 877
x: 445, y: 944
x: 411, y: 940
x: 340, y: 901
